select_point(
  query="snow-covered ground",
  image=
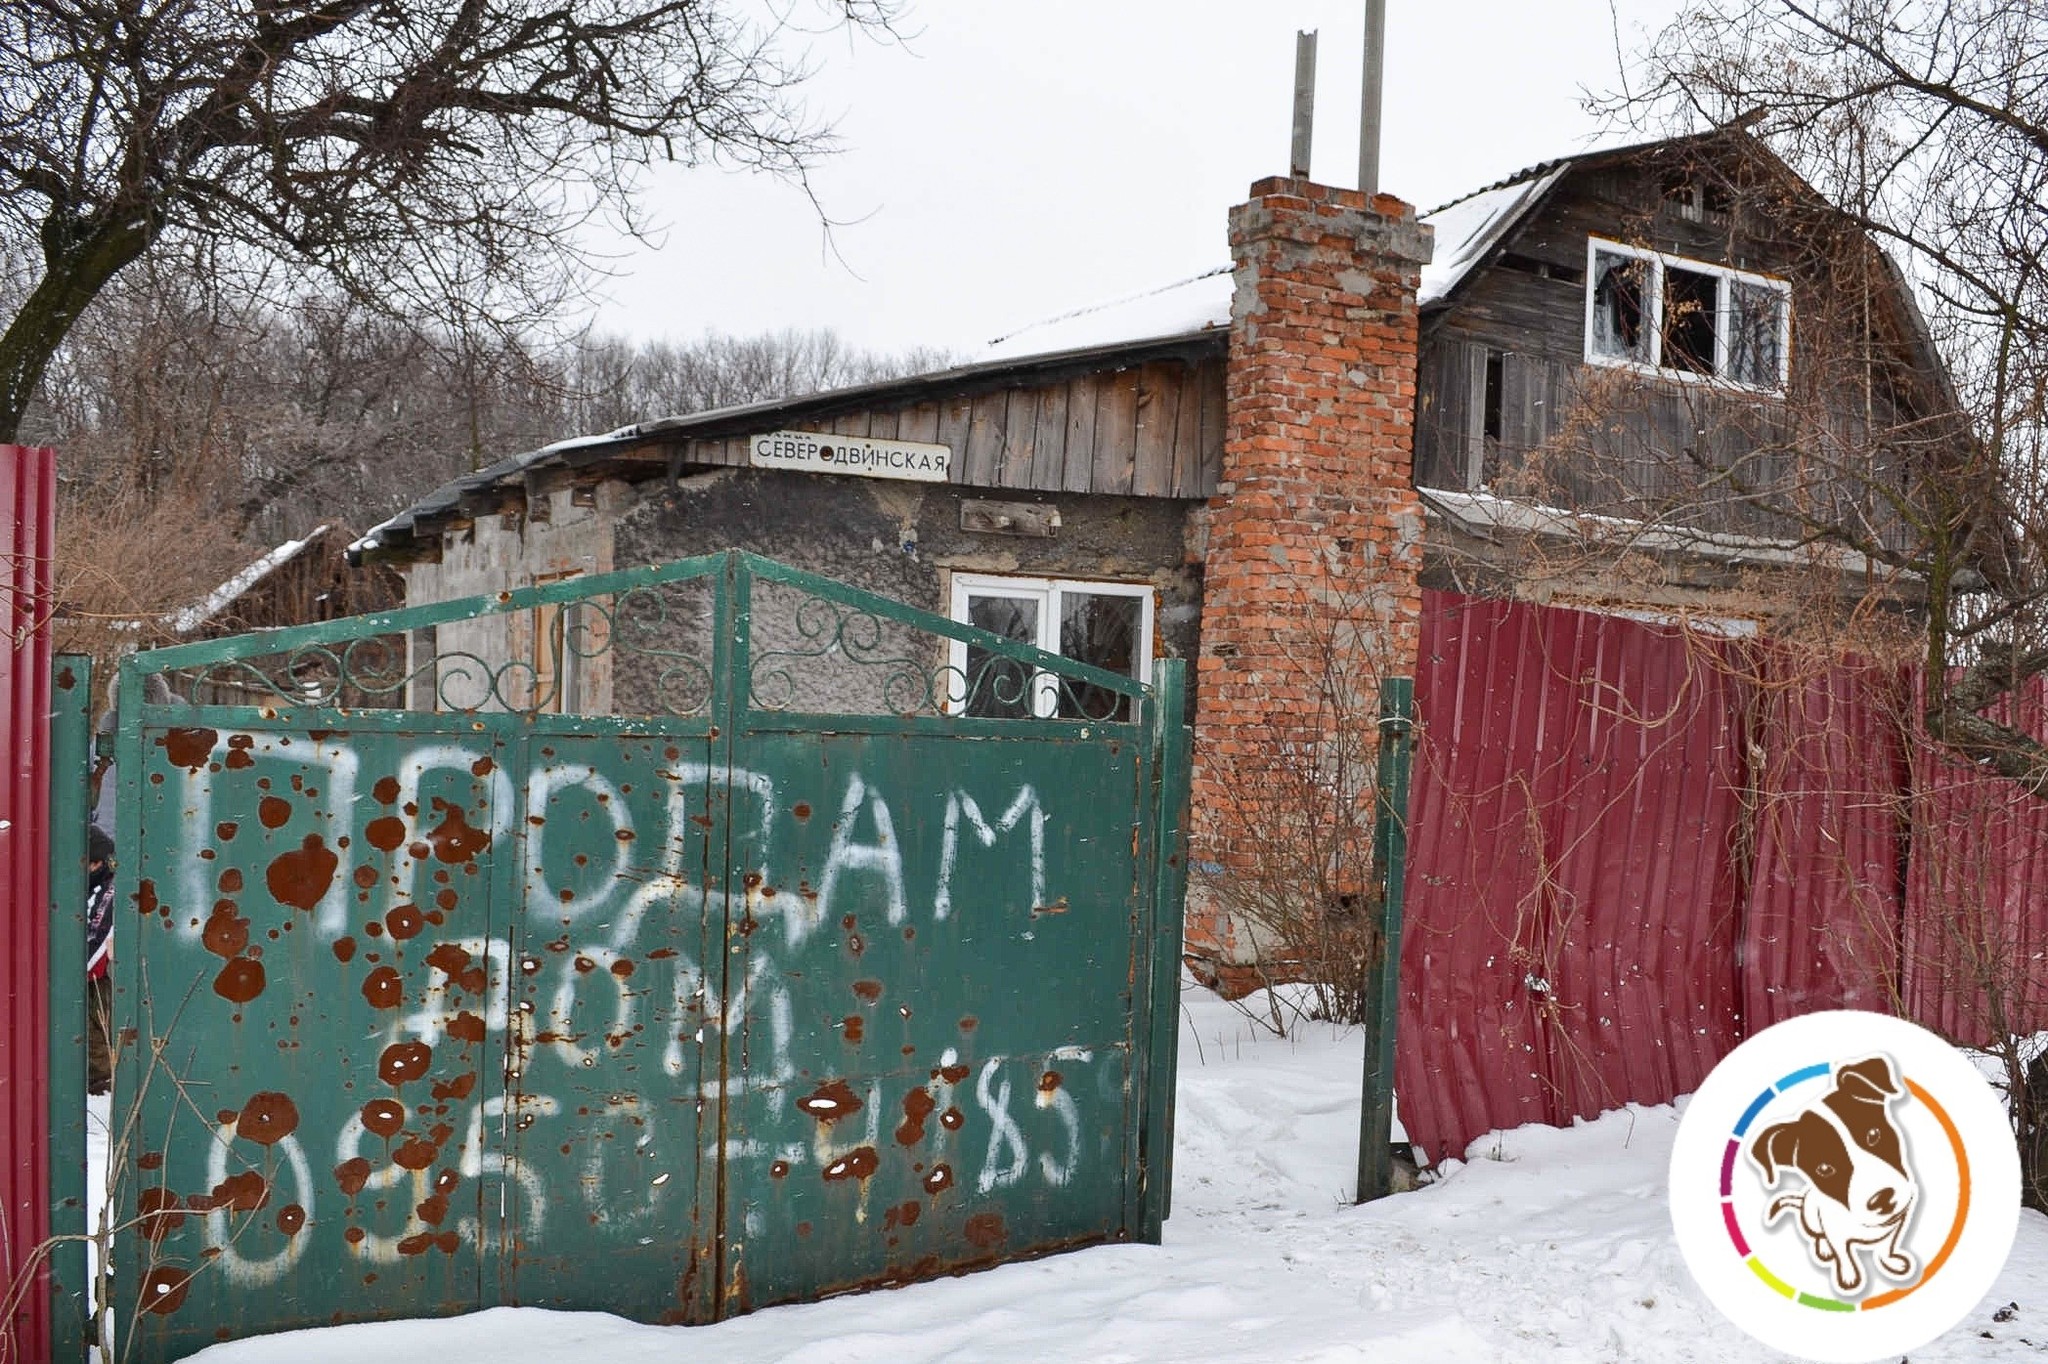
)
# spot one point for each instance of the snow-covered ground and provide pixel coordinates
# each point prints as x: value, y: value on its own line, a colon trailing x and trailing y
x: 1547, y: 1245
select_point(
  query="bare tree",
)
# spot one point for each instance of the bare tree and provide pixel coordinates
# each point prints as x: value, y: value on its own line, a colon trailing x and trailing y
x: 1926, y: 123
x: 432, y: 157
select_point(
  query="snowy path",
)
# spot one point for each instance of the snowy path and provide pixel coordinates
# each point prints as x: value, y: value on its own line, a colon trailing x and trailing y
x: 1554, y: 1246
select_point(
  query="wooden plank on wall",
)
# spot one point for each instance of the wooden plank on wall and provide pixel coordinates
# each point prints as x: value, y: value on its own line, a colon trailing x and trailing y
x: 1215, y: 429
x: 920, y: 423
x: 1020, y: 438
x: 956, y: 422
x: 1116, y: 434
x: 1159, y: 389
x: 1077, y: 472
x: 1048, y: 462
x: 1187, y: 431
x: 985, y: 430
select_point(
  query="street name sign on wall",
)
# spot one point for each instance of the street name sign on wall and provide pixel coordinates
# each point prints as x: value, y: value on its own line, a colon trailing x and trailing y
x: 816, y: 452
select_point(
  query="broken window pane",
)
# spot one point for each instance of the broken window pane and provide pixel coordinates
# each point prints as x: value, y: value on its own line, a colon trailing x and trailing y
x: 1691, y: 318
x: 1620, y: 325
x: 997, y: 687
x: 1756, y: 331
x: 1102, y: 630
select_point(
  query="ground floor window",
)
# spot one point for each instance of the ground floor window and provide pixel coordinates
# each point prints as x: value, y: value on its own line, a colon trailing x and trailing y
x: 1108, y: 625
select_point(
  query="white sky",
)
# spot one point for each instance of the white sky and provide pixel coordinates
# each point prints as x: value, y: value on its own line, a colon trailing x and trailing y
x: 1019, y: 158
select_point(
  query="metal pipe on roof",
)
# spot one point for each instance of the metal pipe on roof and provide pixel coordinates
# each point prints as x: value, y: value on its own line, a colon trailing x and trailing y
x: 1369, y: 97
x: 1304, y: 104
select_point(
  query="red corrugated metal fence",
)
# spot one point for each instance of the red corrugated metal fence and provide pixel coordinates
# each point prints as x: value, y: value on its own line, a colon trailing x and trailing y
x: 1630, y: 845
x: 27, y: 493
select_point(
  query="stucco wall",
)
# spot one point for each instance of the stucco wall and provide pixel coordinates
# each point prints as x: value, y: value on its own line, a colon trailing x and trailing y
x: 899, y: 540
x: 497, y: 554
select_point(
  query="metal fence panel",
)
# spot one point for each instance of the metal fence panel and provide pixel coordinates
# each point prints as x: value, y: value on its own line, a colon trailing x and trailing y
x: 671, y: 1013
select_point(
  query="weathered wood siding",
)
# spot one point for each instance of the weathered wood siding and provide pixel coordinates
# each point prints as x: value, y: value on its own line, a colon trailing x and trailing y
x: 1606, y: 439
x: 1151, y: 430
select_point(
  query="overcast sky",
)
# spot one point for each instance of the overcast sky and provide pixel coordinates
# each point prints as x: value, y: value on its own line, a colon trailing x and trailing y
x: 1015, y: 159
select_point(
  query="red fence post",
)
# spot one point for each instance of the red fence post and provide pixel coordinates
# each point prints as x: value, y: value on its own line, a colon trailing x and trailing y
x: 28, y: 481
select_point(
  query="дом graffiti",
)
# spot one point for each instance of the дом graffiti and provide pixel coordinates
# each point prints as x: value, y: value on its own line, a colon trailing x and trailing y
x: 592, y: 1029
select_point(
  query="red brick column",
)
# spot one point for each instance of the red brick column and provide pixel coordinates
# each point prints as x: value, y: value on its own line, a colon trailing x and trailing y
x: 1310, y: 592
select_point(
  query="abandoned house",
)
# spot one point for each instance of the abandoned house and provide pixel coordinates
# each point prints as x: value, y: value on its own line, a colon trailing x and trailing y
x: 1604, y: 382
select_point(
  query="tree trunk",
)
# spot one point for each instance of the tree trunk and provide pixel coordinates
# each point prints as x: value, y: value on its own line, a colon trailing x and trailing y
x: 74, y: 277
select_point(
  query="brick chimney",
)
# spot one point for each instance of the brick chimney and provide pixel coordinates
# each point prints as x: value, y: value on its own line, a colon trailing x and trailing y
x: 1314, y: 544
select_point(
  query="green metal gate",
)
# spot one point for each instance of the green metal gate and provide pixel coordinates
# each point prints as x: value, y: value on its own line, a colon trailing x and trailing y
x: 780, y: 977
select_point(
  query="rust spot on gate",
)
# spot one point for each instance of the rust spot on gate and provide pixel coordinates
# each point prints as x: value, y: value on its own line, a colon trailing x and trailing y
x: 917, y: 1108
x: 457, y: 1089
x: 274, y: 811
x: 952, y: 1075
x: 384, y: 988
x: 482, y: 766
x: 352, y: 1175
x: 239, y: 981
x: 415, y: 1154
x: 450, y: 959
x: 420, y: 1242
x: 952, y: 1120
x: 244, y: 1192
x: 157, y: 1211
x: 300, y: 879
x: 802, y: 809
x: 986, y: 1229
x: 145, y: 897
x: 386, y: 833
x: 344, y: 949
x: 383, y: 1117
x: 403, y: 1062
x: 190, y: 748
x: 1048, y: 1082
x: 859, y: 1163
x: 231, y: 881
x: 268, y: 1118
x: 869, y: 990
x: 940, y: 1179
x: 404, y: 922
x: 226, y: 933
x: 454, y: 839
x: 854, y: 1026
x: 226, y: 830
x: 163, y: 1288
x: 466, y: 1027
x: 290, y: 1218
x: 830, y: 1102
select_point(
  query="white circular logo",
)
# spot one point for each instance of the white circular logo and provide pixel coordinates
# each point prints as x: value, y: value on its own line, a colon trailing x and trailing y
x: 1845, y: 1186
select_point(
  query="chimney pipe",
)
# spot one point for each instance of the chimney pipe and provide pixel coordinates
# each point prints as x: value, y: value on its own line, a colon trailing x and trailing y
x: 1304, y: 104
x: 1369, y: 98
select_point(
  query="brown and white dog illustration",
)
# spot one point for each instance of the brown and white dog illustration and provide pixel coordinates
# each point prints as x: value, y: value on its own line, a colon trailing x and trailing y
x: 1859, y: 1190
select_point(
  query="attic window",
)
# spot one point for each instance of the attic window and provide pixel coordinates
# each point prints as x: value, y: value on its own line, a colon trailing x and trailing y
x: 1694, y: 201
x: 1685, y: 318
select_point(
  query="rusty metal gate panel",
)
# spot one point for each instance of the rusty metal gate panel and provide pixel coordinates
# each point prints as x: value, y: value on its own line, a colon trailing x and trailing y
x: 768, y: 977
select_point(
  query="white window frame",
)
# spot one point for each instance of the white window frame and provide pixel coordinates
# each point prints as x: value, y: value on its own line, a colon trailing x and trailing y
x: 1724, y: 311
x: 1047, y: 592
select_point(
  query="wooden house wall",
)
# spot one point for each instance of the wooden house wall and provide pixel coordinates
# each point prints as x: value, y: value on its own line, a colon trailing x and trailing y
x: 1152, y: 430
x: 1648, y: 440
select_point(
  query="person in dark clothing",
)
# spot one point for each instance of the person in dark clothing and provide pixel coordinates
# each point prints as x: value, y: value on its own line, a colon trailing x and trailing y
x: 99, y: 951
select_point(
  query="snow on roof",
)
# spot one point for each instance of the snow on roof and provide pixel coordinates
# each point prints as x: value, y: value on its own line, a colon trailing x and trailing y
x: 1471, y: 227
x: 1465, y: 231
x: 1183, y: 308
x: 189, y: 618
x: 1484, y: 511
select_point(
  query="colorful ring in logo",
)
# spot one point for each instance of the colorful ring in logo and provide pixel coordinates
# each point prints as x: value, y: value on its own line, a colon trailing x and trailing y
x: 1755, y: 1262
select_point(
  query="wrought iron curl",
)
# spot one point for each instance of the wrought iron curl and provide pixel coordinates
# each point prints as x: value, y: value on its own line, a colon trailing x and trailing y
x: 829, y: 629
